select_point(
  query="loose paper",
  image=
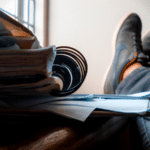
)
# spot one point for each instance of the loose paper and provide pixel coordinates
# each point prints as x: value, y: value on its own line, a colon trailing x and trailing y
x: 81, y: 106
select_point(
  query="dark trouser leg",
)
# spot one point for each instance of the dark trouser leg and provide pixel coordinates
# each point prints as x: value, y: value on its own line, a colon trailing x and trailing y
x: 138, y: 81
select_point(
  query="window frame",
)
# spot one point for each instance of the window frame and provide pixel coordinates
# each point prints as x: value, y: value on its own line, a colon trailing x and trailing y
x: 20, y: 14
x: 41, y: 20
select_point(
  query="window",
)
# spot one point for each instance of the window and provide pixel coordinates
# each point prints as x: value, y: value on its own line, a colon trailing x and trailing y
x: 26, y: 13
x: 23, y: 11
x: 31, y: 13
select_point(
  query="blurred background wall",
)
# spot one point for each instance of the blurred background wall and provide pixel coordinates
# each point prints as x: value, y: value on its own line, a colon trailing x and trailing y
x: 87, y: 25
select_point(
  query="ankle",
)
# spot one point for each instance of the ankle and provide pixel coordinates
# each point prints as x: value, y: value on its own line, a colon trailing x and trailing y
x: 130, y: 69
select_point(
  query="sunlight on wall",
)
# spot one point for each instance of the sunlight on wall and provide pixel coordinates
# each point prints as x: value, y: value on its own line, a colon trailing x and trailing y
x: 8, y: 5
x: 39, y: 21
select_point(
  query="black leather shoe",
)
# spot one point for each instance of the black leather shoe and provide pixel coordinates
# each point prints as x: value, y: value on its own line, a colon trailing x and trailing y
x: 128, y: 47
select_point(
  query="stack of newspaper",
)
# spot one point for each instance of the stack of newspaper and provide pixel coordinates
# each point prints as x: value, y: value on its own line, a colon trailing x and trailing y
x: 27, y: 72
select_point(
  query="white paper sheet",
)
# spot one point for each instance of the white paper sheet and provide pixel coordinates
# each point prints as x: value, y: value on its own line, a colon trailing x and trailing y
x: 81, y: 106
x: 124, y: 106
x: 80, y: 110
x: 80, y: 113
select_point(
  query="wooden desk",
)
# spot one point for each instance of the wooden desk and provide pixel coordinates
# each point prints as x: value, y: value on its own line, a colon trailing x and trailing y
x: 43, y: 132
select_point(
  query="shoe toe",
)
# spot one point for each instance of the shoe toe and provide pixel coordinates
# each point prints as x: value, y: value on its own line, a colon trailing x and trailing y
x: 132, y: 23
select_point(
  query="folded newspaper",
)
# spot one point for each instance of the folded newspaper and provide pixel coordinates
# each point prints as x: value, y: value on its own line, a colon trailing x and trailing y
x: 28, y: 69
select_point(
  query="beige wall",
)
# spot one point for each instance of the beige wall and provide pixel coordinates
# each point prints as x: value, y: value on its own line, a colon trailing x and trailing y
x: 89, y: 25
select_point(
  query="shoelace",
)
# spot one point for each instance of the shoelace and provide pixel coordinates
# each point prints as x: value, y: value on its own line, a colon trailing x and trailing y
x: 141, y: 57
x: 137, y: 43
